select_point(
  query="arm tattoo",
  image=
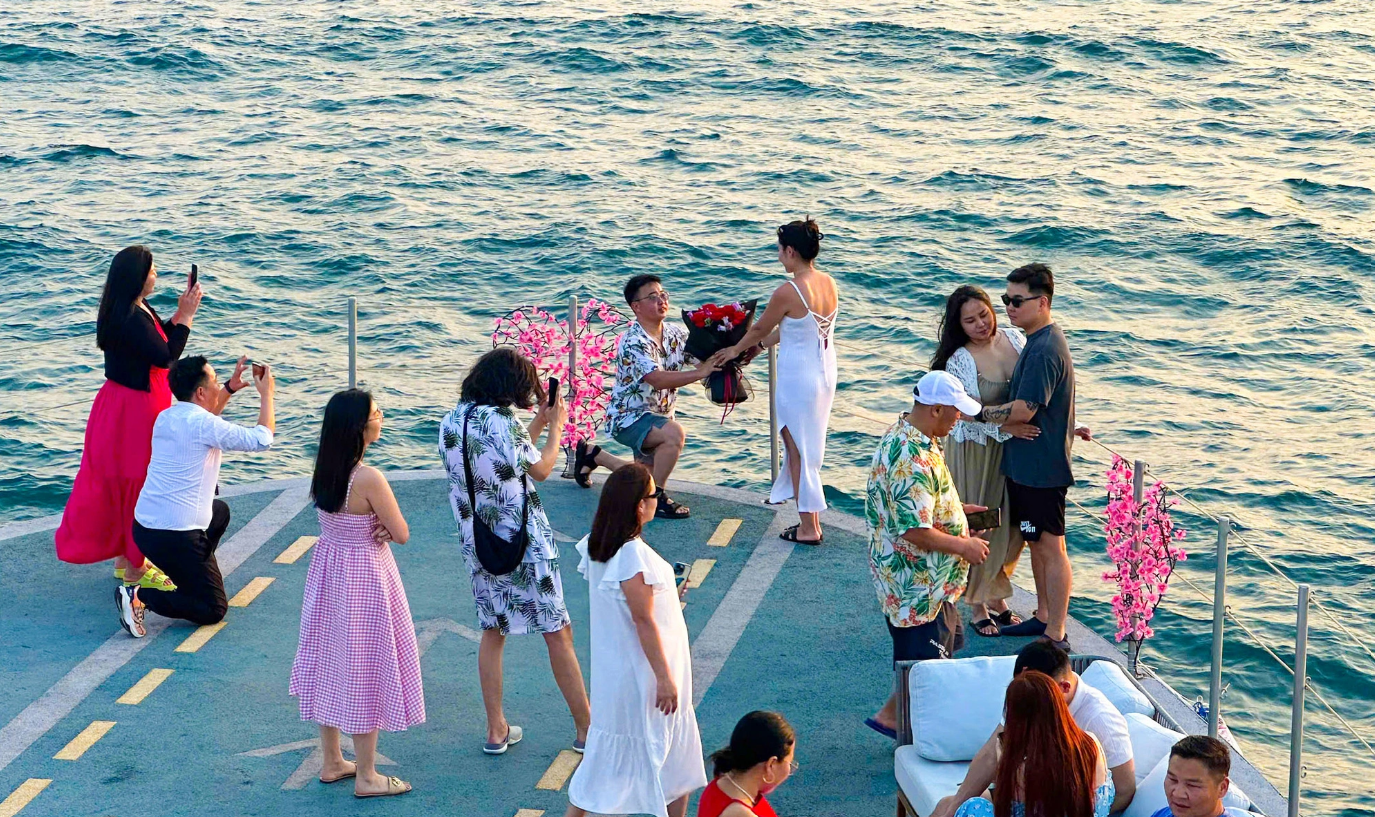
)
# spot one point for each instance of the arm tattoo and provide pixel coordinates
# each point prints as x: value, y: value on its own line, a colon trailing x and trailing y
x: 996, y: 415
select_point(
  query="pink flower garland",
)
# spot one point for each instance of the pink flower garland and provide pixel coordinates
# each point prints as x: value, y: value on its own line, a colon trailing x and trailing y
x: 545, y: 339
x: 1141, y: 545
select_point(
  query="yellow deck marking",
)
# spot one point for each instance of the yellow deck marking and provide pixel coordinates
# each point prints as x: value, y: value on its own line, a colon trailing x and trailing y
x: 560, y: 770
x: 700, y: 569
x: 724, y: 532
x: 295, y: 551
x: 145, y: 687
x: 22, y: 796
x: 250, y: 591
x: 197, y: 639
x: 529, y: 812
x: 84, y: 741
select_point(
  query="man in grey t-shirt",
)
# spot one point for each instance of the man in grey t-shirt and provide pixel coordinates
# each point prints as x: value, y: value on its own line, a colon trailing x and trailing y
x: 1038, y: 470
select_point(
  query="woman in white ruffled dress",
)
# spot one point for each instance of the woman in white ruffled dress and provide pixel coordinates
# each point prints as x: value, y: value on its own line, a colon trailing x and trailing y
x: 644, y: 752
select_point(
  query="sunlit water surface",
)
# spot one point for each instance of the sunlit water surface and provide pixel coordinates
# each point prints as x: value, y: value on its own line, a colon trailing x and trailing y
x: 1198, y: 173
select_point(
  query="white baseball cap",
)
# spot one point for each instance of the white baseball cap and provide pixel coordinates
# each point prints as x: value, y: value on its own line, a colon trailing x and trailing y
x: 940, y: 388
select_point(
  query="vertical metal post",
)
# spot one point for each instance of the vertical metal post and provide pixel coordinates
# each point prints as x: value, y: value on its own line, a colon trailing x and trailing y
x: 353, y: 343
x: 1139, y: 480
x: 1224, y: 529
x: 572, y: 344
x: 773, y: 415
x: 1296, y: 722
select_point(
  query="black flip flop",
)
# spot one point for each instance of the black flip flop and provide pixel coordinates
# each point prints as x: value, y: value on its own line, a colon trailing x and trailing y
x: 1031, y: 627
x: 584, y: 457
x: 1005, y: 618
x: 790, y: 535
x: 986, y: 622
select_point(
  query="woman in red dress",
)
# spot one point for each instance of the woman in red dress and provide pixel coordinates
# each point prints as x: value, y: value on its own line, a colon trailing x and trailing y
x: 757, y: 761
x: 139, y: 347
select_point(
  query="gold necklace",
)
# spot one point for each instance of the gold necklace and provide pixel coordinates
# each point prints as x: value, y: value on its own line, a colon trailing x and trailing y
x: 739, y: 788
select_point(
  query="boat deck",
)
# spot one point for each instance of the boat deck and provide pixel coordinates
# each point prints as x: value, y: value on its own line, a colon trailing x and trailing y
x: 796, y: 629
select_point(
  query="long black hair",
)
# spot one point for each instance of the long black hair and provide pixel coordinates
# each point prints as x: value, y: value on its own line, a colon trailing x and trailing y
x: 758, y: 737
x: 952, y: 331
x: 123, y: 287
x: 341, y: 447
x: 618, y: 511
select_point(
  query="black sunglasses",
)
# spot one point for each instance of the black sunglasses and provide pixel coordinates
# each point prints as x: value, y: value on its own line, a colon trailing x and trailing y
x: 1016, y: 301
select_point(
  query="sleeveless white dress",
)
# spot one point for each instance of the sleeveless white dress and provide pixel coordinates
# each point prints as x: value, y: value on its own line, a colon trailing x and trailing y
x: 805, y: 390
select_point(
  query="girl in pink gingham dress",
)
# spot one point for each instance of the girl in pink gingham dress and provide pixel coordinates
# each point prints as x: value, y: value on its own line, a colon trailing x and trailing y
x: 357, y: 667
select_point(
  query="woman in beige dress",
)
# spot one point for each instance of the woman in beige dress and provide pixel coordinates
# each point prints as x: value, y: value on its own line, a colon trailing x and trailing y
x: 981, y: 356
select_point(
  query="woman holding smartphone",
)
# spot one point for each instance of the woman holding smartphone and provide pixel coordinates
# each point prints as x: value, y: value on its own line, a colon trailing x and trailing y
x: 139, y: 348
x: 644, y: 751
x: 483, y: 434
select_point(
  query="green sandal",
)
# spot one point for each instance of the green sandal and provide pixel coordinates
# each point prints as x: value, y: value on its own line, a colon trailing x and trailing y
x: 152, y: 579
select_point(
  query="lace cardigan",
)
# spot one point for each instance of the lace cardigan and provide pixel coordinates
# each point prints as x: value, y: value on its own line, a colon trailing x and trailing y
x: 961, y: 365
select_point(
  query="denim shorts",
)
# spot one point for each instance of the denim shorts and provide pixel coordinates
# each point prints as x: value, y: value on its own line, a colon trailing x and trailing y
x: 633, y: 435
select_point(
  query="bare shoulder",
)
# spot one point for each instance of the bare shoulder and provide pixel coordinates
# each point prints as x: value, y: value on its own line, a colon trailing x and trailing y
x: 737, y: 809
x: 369, y: 478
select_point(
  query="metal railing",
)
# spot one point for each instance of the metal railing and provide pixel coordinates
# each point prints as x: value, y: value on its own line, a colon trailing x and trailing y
x: 1227, y: 533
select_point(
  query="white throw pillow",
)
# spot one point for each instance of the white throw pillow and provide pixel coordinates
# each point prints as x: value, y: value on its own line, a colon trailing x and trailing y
x: 1150, y: 742
x: 1110, y: 679
x: 956, y: 704
x: 1150, y: 792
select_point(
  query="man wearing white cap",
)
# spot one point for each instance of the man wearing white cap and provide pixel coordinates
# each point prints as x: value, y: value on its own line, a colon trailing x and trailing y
x: 920, y: 548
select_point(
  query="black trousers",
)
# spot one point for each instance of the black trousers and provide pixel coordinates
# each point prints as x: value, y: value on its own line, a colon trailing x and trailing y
x: 188, y: 558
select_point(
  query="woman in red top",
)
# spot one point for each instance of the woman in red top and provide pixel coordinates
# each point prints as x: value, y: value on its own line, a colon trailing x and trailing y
x: 98, y: 522
x: 757, y: 761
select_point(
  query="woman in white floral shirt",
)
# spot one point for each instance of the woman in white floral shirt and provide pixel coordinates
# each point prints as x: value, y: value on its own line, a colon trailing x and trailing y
x: 503, y: 460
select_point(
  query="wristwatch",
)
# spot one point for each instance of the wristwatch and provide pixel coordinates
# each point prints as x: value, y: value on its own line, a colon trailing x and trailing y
x: 230, y: 389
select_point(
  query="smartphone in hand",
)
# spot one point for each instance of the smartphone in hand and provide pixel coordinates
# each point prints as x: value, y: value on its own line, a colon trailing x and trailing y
x: 259, y: 369
x: 553, y: 391
x: 985, y: 520
x: 194, y: 277
x: 680, y: 572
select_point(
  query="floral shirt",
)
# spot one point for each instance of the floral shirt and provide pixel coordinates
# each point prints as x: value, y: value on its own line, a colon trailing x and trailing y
x: 910, y: 487
x: 503, y: 453
x: 637, y: 354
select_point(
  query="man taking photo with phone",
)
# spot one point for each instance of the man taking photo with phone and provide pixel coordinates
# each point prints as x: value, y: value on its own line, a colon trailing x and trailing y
x: 177, y: 516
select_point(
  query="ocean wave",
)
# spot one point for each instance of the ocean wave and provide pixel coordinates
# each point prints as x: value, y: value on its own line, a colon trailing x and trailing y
x: 174, y: 60
x: 20, y: 54
x: 72, y: 153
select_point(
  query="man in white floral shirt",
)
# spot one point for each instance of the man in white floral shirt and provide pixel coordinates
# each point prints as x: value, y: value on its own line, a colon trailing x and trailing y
x: 920, y: 549
x: 651, y: 365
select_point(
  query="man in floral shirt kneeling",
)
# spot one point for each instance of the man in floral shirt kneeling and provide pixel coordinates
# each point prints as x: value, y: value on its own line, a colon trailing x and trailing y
x: 920, y: 548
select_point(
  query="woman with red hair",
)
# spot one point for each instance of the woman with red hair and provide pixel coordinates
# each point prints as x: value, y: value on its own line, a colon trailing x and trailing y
x: 1047, y: 765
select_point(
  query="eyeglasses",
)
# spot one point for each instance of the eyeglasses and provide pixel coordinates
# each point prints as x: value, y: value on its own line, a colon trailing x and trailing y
x: 654, y: 495
x: 793, y: 766
x: 658, y: 296
x: 376, y: 415
x: 1016, y: 301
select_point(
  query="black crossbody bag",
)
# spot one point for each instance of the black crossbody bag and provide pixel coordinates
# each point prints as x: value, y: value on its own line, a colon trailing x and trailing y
x: 496, y: 555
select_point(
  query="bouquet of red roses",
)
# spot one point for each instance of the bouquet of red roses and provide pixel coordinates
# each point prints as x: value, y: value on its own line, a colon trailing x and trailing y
x: 712, y: 328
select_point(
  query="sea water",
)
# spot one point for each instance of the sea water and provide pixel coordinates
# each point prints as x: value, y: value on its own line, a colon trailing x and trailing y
x: 1197, y: 173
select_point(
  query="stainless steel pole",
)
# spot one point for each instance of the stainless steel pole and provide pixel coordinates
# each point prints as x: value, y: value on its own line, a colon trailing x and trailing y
x: 353, y: 343
x: 1224, y: 529
x: 1139, y: 480
x: 1296, y: 708
x: 773, y: 415
x: 572, y: 343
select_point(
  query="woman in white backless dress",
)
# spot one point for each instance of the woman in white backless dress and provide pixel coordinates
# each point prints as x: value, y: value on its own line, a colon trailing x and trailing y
x: 800, y: 318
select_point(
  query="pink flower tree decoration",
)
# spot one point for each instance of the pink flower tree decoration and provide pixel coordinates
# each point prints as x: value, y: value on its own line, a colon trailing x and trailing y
x: 1141, y: 543
x: 545, y: 339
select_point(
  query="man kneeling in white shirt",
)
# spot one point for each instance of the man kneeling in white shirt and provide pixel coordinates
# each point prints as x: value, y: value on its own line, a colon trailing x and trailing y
x: 1091, y: 710
x: 178, y: 521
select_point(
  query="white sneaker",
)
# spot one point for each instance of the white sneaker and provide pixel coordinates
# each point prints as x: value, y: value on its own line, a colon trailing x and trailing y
x: 130, y: 611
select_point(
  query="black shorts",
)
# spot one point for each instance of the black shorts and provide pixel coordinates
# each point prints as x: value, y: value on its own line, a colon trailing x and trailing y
x: 1037, y: 510
x: 924, y: 642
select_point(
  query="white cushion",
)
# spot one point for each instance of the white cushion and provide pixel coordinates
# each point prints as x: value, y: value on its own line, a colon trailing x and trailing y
x: 1150, y: 742
x: 924, y: 781
x: 1112, y: 681
x: 1150, y: 792
x: 956, y: 704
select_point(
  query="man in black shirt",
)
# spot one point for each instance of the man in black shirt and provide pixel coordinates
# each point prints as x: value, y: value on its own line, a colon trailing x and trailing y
x: 1038, y: 470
